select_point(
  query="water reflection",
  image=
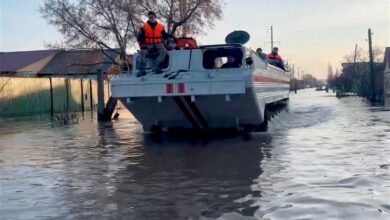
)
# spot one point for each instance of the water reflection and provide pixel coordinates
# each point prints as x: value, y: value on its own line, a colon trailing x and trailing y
x: 177, y: 179
x: 118, y: 171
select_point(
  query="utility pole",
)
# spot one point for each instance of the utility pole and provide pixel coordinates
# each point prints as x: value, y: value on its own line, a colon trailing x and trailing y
x: 294, y: 83
x: 371, y: 65
x: 272, y: 38
x: 298, y: 78
x: 355, y: 59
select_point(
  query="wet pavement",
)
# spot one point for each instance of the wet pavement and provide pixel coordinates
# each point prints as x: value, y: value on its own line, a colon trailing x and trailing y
x: 323, y: 158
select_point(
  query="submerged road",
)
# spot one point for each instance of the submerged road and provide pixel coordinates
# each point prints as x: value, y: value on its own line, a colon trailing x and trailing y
x: 323, y: 158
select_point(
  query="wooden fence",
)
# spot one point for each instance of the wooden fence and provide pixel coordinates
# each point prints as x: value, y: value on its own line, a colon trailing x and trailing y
x: 47, y: 96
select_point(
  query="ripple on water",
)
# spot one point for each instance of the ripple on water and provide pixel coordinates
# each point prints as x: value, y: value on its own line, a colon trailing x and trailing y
x: 323, y: 158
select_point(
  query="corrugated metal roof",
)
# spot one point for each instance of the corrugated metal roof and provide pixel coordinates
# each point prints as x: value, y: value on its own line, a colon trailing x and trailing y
x: 78, y: 62
x: 14, y: 61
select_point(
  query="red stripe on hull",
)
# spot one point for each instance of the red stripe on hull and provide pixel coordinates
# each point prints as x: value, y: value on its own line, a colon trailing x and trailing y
x: 265, y: 79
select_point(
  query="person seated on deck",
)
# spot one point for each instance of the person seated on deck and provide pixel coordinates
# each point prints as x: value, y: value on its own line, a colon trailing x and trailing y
x: 151, y: 38
x: 275, y: 59
x: 231, y: 63
x: 260, y: 53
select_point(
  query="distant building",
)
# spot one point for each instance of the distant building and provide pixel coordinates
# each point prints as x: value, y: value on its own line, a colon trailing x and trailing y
x: 58, y: 63
x: 386, y: 78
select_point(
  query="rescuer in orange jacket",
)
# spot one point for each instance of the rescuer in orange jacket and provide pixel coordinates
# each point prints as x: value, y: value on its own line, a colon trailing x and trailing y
x: 151, y: 39
x: 275, y: 59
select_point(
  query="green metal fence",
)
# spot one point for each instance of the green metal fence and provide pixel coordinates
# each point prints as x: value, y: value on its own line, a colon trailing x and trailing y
x: 39, y: 96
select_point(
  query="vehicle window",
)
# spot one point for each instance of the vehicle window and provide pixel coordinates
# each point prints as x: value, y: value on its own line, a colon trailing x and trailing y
x: 222, y: 58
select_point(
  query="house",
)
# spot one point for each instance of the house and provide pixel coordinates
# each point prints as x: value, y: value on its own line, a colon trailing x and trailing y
x: 55, y: 80
x: 386, y: 78
x: 58, y: 63
x: 79, y: 63
x: 24, y: 63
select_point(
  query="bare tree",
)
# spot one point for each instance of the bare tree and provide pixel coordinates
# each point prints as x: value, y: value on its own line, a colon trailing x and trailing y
x: 363, y: 56
x: 103, y: 24
x: 330, y: 74
x: 109, y: 24
x: 378, y: 54
x: 310, y: 80
x: 188, y: 17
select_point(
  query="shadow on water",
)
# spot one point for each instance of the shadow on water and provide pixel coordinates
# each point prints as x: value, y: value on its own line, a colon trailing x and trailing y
x: 171, y: 177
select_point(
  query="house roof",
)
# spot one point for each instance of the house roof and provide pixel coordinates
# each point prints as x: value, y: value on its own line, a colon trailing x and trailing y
x: 26, y: 61
x: 78, y: 62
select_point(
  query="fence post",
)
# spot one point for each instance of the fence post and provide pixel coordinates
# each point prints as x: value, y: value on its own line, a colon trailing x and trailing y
x: 372, y: 78
x: 108, y: 87
x: 90, y: 95
x: 82, y: 96
x: 100, y: 92
x: 51, y: 98
x: 67, y: 94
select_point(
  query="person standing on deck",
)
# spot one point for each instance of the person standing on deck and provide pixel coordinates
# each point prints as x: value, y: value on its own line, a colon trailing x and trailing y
x: 151, y: 38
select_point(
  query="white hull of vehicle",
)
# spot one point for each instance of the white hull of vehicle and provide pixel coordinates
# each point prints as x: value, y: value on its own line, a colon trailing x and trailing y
x: 188, y: 95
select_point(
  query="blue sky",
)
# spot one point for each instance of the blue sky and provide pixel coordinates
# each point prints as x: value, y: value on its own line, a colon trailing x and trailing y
x: 311, y: 32
x: 22, y: 27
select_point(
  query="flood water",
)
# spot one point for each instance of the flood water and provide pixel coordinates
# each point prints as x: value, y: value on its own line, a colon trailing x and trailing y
x: 323, y: 158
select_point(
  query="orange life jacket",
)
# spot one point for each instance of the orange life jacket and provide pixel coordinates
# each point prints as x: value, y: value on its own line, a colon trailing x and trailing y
x: 272, y: 56
x: 153, y: 36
